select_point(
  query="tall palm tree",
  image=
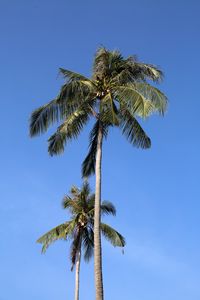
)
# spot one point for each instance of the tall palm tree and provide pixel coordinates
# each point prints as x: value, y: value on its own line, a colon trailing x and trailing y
x: 117, y: 94
x: 80, y: 229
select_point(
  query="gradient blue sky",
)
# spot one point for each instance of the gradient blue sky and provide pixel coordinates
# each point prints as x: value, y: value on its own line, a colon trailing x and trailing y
x: 156, y: 192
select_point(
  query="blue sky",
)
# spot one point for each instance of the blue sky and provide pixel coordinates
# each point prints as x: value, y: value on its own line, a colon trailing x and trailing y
x: 156, y: 192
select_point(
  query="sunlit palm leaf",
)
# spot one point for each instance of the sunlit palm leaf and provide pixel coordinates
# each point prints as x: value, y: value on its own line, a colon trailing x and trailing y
x: 134, y: 100
x: 154, y: 95
x: 109, y: 111
x: 57, y: 233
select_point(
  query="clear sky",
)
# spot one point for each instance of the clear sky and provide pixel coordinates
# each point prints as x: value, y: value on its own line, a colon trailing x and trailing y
x: 156, y: 192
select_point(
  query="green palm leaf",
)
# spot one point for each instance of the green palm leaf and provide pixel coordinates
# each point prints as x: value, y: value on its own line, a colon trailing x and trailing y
x: 69, y: 129
x: 113, y: 236
x: 70, y: 75
x: 109, y: 111
x: 133, y: 131
x: 148, y: 71
x: 57, y: 233
x: 154, y: 95
x: 134, y: 100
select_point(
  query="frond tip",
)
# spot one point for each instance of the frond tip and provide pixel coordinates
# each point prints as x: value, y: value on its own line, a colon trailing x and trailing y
x: 43, y: 117
x: 107, y: 208
x: 57, y: 233
x: 113, y: 236
x: 68, y: 130
x: 133, y: 131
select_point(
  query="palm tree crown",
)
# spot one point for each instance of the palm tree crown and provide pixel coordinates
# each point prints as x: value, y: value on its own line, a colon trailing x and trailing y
x: 117, y: 93
x: 80, y: 228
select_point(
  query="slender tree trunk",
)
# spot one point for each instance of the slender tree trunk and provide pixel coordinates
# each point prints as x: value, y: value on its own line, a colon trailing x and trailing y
x: 78, y: 263
x: 97, y: 221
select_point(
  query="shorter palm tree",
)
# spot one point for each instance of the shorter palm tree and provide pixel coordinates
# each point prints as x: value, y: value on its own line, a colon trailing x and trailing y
x: 80, y: 229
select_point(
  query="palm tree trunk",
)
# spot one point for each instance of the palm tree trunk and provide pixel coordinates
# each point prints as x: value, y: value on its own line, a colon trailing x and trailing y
x: 78, y: 263
x: 97, y: 221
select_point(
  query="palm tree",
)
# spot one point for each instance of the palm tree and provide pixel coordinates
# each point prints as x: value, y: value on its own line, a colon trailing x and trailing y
x: 80, y: 229
x: 117, y: 94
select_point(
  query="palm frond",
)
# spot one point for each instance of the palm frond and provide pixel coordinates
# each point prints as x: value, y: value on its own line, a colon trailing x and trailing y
x: 88, y: 243
x: 88, y: 165
x: 72, y: 204
x: 90, y: 204
x: 78, y: 202
x: 148, y: 71
x: 85, y: 190
x: 100, y: 63
x: 134, y: 100
x: 43, y: 117
x: 120, y: 70
x: 121, y: 78
x: 154, y: 95
x: 71, y: 97
x: 113, y: 236
x: 71, y: 75
x: 76, y: 92
x: 69, y: 129
x: 136, y: 71
x: 107, y: 208
x: 79, y: 81
x: 75, y: 247
x: 133, y: 130
x: 57, y: 233
x: 107, y: 64
x: 75, y: 191
x: 109, y: 111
